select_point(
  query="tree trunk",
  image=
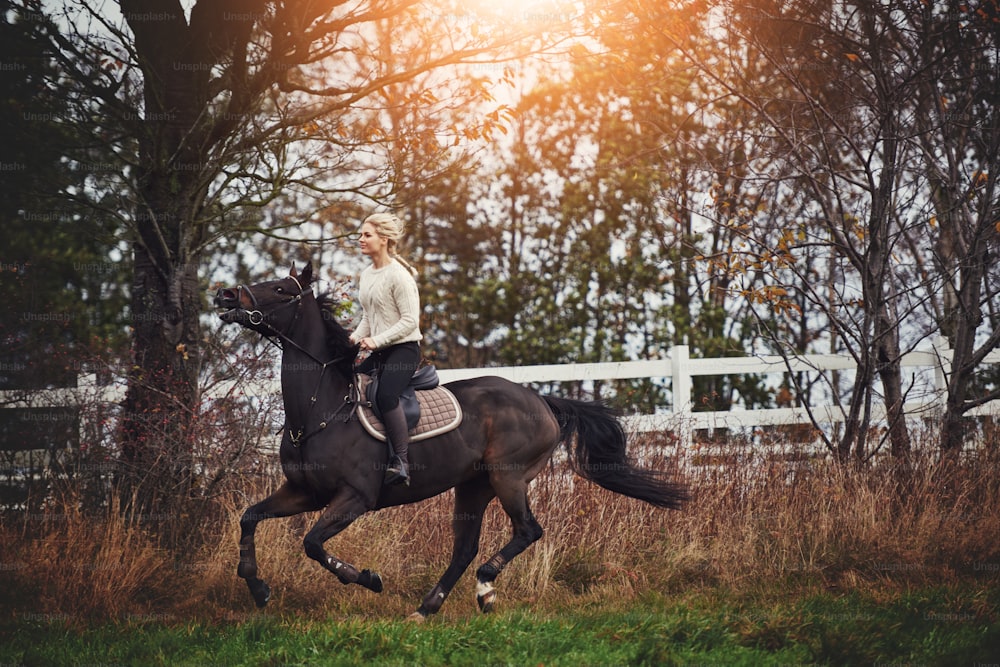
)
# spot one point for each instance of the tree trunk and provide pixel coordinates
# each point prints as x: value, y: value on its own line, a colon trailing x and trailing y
x: 858, y: 412
x: 162, y: 390
x: 891, y: 374
x: 173, y: 175
x: 967, y: 323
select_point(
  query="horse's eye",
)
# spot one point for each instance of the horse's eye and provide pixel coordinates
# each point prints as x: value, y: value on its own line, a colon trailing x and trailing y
x: 279, y: 290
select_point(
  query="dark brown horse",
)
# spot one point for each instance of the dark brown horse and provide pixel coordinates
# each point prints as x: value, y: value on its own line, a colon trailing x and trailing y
x: 330, y: 463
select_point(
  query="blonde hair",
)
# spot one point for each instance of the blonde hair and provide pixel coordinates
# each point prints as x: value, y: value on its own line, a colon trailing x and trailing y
x: 391, y: 228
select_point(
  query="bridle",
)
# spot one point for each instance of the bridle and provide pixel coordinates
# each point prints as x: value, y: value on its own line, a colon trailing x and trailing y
x: 258, y: 318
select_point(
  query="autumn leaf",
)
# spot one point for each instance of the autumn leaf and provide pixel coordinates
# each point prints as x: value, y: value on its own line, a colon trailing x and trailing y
x: 853, y: 57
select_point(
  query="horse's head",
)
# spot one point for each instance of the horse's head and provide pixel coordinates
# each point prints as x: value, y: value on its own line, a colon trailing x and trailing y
x: 268, y: 307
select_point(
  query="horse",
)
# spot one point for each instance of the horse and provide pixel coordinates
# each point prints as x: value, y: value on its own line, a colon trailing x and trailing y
x: 507, y: 436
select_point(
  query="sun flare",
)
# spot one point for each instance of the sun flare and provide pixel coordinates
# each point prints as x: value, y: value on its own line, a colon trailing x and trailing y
x: 531, y: 14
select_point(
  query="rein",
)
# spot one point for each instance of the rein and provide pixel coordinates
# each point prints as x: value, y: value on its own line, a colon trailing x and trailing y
x: 298, y: 439
x: 257, y: 318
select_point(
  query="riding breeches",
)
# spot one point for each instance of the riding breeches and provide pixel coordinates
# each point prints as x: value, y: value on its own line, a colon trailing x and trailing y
x: 395, y: 366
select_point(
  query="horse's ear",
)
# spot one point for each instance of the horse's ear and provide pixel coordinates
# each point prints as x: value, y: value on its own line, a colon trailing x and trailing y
x: 307, y: 274
x: 292, y: 272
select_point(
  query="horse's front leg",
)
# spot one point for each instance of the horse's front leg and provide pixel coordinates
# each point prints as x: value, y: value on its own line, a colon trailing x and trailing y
x: 339, y: 514
x: 288, y: 500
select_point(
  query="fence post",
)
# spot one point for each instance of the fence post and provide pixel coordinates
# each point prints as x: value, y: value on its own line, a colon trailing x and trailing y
x: 682, y: 388
x: 86, y: 388
x: 941, y: 372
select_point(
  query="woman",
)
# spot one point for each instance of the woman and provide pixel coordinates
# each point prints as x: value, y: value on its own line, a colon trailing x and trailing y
x: 390, y: 330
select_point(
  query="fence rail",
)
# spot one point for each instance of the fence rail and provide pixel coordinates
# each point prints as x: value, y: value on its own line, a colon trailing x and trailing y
x: 681, y: 370
x: 678, y: 368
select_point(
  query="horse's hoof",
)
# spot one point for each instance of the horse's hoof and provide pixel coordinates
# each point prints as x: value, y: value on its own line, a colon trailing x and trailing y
x: 416, y: 617
x: 485, y: 596
x: 486, y: 602
x: 260, y: 591
x: 370, y: 580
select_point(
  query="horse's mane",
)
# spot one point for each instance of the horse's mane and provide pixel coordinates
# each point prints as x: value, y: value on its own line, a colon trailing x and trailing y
x: 336, y: 335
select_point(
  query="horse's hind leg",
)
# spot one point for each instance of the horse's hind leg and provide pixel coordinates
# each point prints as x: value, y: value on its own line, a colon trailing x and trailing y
x: 471, y: 499
x: 337, y: 516
x: 286, y: 501
x: 526, y: 532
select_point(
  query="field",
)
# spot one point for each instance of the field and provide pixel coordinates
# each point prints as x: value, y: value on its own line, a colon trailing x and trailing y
x: 773, y: 562
x: 933, y: 626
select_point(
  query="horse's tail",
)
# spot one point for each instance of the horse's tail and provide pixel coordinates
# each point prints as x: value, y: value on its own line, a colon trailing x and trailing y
x: 600, y: 453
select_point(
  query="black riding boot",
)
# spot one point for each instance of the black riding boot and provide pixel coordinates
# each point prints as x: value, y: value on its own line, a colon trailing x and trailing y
x: 398, y: 435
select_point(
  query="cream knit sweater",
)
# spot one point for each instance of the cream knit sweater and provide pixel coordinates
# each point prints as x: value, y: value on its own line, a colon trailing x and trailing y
x: 391, y: 306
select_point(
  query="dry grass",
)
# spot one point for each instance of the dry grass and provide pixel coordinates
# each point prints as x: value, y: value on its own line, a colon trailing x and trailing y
x: 760, y: 523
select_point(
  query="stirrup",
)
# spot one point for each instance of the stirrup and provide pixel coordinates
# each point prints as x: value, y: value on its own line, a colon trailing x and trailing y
x: 398, y: 472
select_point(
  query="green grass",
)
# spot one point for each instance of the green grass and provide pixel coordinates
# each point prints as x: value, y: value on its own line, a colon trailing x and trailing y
x: 929, y: 626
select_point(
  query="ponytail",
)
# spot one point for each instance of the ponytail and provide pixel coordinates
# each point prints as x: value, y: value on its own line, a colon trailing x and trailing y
x: 410, y: 267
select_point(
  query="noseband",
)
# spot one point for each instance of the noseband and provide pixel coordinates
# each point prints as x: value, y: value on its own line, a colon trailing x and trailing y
x: 255, y: 316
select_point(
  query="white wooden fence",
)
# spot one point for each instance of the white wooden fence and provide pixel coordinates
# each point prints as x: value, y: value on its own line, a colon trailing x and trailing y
x: 678, y: 368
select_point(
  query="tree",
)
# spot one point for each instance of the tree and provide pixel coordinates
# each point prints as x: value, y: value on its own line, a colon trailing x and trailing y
x: 57, y: 285
x: 61, y: 294
x: 217, y: 108
x: 958, y: 139
x: 829, y: 100
x: 606, y: 172
x: 850, y: 99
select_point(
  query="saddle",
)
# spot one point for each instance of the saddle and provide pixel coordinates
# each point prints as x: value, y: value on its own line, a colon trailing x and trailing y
x: 429, y: 408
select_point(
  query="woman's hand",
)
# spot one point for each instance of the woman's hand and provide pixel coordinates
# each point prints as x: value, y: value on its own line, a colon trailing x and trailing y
x: 367, y: 344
